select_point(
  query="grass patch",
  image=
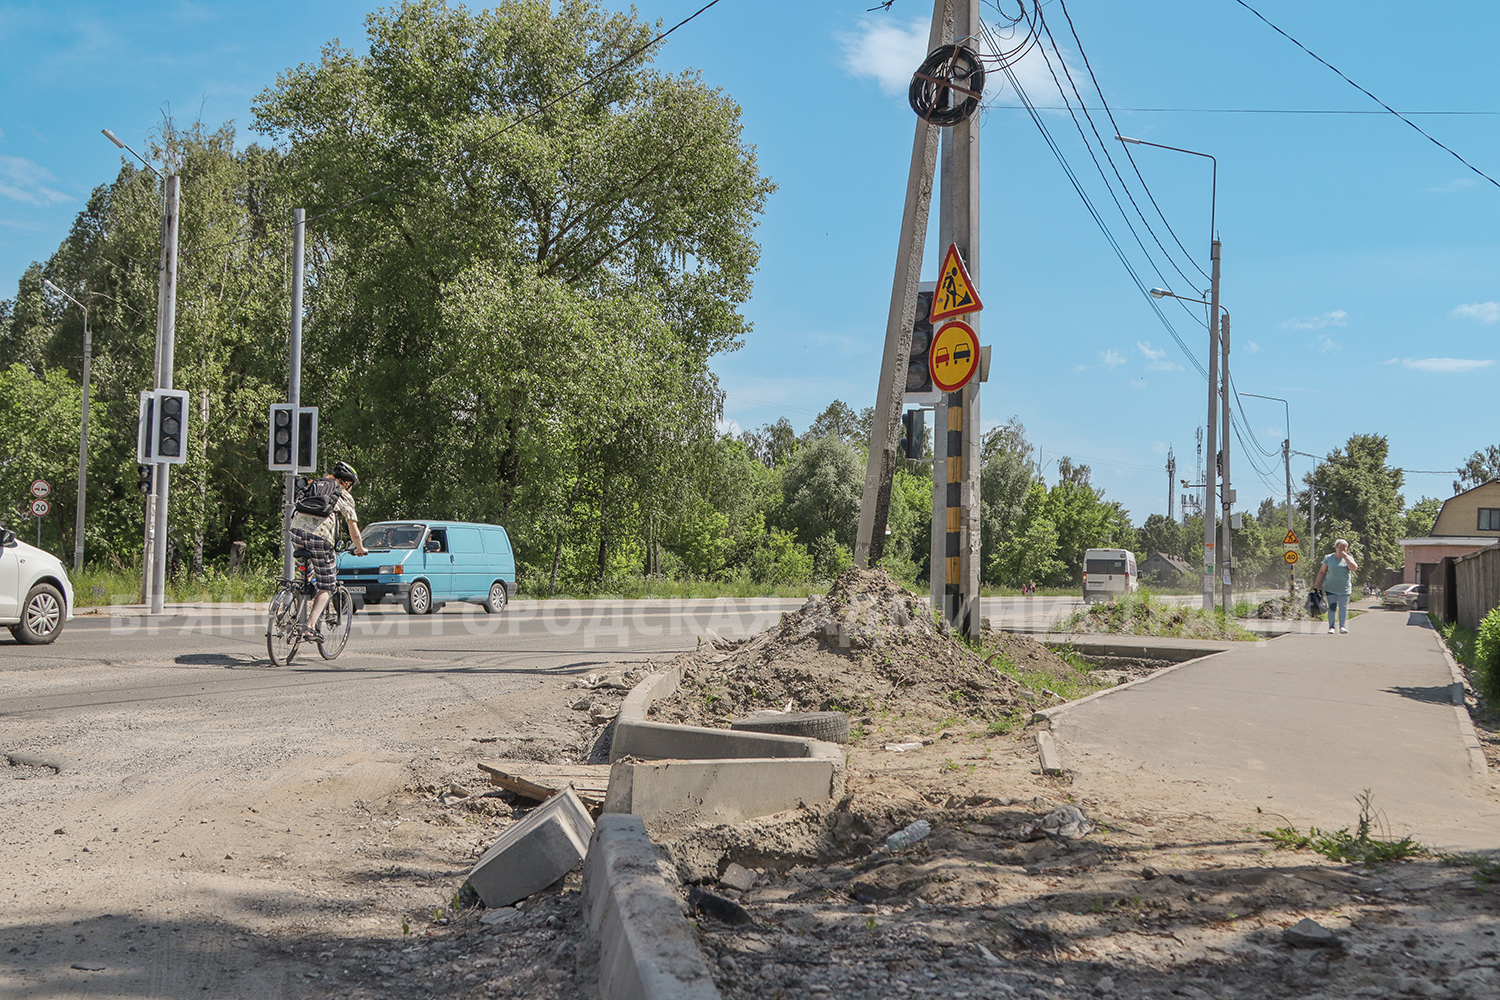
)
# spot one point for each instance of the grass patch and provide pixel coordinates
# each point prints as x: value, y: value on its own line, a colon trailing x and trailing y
x: 1142, y: 614
x: 97, y: 586
x: 1341, y: 845
x: 641, y: 587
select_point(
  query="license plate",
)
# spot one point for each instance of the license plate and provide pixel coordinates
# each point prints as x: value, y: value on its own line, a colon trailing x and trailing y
x: 355, y: 589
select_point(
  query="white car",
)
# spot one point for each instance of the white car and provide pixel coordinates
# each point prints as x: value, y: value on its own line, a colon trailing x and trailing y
x: 35, y: 595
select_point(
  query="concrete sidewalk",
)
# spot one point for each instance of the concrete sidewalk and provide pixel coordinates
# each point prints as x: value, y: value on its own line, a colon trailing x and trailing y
x: 1301, y: 725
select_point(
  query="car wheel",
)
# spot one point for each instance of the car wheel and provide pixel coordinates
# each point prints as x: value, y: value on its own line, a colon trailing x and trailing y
x: 41, y: 616
x: 497, y: 599
x: 419, y: 599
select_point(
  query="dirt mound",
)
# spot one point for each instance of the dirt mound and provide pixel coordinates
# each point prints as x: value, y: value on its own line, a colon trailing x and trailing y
x: 1281, y: 609
x: 869, y: 648
x: 1144, y: 616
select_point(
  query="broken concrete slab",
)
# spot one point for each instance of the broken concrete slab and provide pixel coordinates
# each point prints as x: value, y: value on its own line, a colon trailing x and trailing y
x: 738, y: 877
x: 1308, y: 933
x: 673, y: 793
x: 647, y: 948
x: 534, y: 853
x: 1046, y: 748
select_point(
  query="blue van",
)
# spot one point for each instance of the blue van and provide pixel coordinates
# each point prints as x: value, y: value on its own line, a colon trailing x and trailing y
x: 425, y: 564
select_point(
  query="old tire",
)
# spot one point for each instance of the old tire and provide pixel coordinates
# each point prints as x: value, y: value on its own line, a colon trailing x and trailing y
x: 830, y: 726
x: 419, y: 598
x: 498, y: 596
x: 41, y: 616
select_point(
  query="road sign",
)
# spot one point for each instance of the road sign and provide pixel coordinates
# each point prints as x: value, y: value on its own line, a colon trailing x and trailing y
x: 41, y: 489
x: 955, y: 293
x: 39, y: 508
x: 1290, y: 539
x: 1291, y: 558
x: 954, y: 357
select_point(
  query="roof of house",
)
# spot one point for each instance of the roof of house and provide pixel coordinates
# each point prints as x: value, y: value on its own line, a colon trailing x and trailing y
x: 1175, y: 561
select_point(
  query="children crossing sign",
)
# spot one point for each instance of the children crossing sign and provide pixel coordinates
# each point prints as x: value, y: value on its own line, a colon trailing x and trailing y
x: 955, y: 293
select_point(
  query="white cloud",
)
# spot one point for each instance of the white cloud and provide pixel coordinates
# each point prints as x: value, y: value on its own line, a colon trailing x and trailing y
x: 1251, y: 347
x: 1111, y: 359
x: 889, y: 51
x: 1160, y: 447
x: 886, y: 50
x: 1156, y: 358
x: 1459, y: 184
x: 1446, y: 364
x: 26, y: 181
x: 1485, y: 312
x: 1335, y: 318
x: 1327, y: 345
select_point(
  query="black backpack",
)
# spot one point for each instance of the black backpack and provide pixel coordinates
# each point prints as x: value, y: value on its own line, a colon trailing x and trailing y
x: 319, y: 497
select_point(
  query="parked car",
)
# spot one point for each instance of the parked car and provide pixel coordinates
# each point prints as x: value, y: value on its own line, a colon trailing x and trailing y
x: 1416, y: 598
x: 1395, y: 597
x: 36, y: 597
x: 425, y: 564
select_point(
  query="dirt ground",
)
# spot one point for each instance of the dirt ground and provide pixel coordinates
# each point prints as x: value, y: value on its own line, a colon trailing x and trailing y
x: 340, y: 878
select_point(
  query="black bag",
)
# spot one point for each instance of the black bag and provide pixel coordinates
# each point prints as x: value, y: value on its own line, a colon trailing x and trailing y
x: 319, y: 497
x: 1317, y: 604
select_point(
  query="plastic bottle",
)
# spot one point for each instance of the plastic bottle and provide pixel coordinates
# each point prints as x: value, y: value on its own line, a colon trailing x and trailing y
x: 905, y: 838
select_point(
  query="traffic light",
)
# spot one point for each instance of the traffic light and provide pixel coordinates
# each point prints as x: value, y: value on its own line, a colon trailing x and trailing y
x: 169, y: 426
x: 279, y: 447
x: 144, y: 475
x: 918, y: 378
x: 161, y: 428
x: 914, y: 433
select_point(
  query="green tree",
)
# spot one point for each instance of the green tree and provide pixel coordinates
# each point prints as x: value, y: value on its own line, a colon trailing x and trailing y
x: 821, y: 489
x: 838, y: 420
x: 1418, y: 520
x: 1481, y: 467
x: 1007, y: 474
x: 1359, y: 498
x: 1159, y: 534
x: 524, y: 263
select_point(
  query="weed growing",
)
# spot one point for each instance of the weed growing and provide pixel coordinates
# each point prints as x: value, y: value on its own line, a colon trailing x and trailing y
x: 1341, y: 845
x: 1141, y: 614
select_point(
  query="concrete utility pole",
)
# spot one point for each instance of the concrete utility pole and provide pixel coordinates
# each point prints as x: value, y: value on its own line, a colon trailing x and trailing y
x: 1286, y: 454
x: 167, y: 325
x: 885, y: 429
x: 1210, y: 480
x: 294, y: 387
x: 958, y: 412
x: 1171, y: 483
x: 1228, y: 494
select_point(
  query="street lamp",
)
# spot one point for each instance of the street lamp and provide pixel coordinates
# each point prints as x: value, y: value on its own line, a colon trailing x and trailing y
x: 1286, y: 454
x: 83, y: 426
x: 153, y: 575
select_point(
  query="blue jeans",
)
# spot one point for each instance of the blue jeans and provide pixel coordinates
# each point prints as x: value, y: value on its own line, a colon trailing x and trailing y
x: 1339, y: 603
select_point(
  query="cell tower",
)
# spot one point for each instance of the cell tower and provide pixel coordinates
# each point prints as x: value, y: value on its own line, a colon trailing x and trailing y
x: 1171, y: 483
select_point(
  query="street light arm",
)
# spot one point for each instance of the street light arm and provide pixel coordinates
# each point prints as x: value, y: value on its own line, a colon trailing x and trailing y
x: 118, y: 142
x: 1214, y: 193
x: 53, y: 288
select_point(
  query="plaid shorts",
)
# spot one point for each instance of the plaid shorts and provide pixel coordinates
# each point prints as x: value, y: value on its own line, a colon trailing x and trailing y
x: 321, y: 558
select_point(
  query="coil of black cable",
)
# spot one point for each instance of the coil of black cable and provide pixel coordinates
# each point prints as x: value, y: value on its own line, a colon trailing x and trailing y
x: 948, y: 72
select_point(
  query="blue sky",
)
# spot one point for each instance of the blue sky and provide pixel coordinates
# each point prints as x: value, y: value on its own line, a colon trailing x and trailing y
x: 1360, y: 261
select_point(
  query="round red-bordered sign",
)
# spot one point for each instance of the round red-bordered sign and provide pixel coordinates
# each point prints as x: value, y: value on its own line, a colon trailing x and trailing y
x: 954, y: 357
x: 41, y: 489
x: 39, y: 508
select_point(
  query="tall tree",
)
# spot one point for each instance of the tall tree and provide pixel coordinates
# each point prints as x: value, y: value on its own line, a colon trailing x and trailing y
x: 530, y: 245
x: 1359, y: 498
x: 1481, y: 467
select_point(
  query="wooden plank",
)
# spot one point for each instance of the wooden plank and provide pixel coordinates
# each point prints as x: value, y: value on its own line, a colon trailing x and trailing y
x: 540, y: 782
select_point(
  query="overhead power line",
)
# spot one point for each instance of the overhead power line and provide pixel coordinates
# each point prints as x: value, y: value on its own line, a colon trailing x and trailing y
x: 1371, y: 96
x: 1255, y: 111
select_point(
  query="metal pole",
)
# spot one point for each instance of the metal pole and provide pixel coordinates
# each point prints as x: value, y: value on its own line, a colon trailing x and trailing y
x: 148, y: 546
x: 880, y: 465
x: 1210, y: 479
x: 164, y: 381
x: 294, y: 385
x: 83, y: 446
x: 1227, y: 531
x: 1286, y: 454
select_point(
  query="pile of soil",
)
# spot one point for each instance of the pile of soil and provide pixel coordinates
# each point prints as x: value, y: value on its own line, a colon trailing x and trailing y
x: 1282, y: 609
x: 1147, y: 617
x: 871, y: 649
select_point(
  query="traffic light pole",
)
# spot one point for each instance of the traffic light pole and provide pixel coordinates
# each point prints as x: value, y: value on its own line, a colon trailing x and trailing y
x: 294, y: 387
x: 880, y: 465
x: 168, y: 325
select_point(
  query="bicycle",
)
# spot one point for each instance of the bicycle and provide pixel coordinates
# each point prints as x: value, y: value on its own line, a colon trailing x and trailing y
x: 286, y: 620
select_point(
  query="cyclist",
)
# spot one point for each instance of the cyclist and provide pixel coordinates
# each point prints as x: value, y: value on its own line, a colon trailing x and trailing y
x: 316, y: 534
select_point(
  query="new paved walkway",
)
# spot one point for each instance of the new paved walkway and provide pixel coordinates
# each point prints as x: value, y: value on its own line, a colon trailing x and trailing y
x: 1301, y: 725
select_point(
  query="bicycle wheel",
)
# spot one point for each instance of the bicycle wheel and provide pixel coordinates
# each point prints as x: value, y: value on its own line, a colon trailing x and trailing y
x: 284, y: 625
x: 337, y: 619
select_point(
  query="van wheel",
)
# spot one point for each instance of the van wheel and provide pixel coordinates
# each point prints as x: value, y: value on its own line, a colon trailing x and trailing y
x: 419, y: 599
x: 497, y: 598
x: 41, y: 616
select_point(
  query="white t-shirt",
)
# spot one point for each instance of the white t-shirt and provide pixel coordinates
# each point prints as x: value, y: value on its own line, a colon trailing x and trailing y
x: 327, y: 527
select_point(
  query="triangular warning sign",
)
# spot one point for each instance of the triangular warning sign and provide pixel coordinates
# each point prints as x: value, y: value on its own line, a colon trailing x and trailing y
x: 955, y: 293
x: 1290, y: 539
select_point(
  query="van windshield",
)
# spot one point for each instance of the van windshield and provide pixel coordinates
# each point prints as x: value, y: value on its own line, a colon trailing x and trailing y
x: 1104, y: 566
x: 392, y: 536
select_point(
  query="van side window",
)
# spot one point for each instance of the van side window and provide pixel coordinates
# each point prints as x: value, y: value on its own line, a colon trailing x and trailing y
x: 439, y: 535
x: 464, y: 539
